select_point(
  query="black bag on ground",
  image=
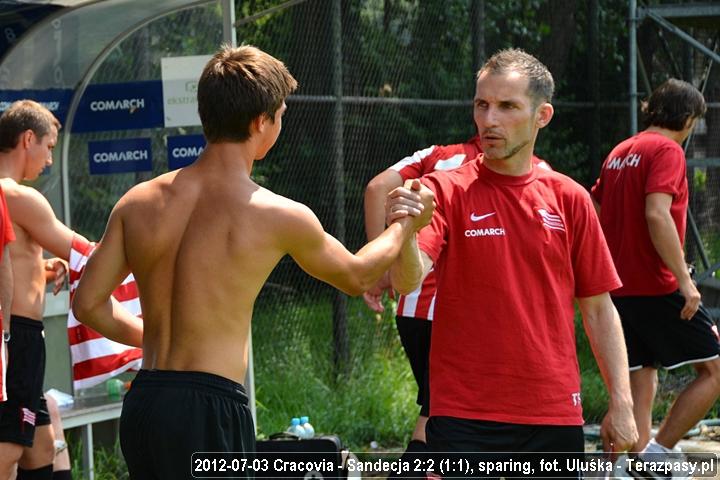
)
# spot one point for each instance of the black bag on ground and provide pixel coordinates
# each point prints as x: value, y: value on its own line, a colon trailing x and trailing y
x: 288, y: 456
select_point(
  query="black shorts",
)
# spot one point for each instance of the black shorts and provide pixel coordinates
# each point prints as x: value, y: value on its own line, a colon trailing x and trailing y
x: 415, y: 336
x: 495, y: 442
x: 169, y: 415
x: 655, y: 335
x: 25, y: 407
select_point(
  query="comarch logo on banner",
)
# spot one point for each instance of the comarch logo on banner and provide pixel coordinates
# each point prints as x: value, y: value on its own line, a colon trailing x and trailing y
x: 184, y: 150
x: 130, y: 104
x: 180, y: 76
x: 120, y: 106
x: 120, y: 156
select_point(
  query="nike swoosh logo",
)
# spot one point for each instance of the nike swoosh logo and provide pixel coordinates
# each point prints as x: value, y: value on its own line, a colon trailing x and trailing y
x: 476, y: 218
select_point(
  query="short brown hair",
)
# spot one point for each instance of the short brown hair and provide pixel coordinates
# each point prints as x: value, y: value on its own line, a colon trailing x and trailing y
x: 541, y: 86
x: 672, y: 104
x: 236, y: 86
x: 21, y: 116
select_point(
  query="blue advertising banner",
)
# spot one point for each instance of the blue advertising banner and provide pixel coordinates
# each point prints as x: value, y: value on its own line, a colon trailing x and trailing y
x: 183, y: 150
x: 120, y: 156
x: 120, y: 106
x: 57, y: 100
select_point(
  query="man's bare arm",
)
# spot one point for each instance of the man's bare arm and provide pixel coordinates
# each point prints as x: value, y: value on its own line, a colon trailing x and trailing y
x: 104, y: 271
x: 666, y: 241
x: 6, y: 285
x: 323, y: 257
x: 602, y: 326
x: 32, y: 212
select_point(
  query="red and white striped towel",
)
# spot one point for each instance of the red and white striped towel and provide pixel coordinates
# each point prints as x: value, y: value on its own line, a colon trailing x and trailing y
x: 94, y: 357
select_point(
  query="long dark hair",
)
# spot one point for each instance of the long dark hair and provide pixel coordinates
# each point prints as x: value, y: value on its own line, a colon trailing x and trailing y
x: 672, y: 104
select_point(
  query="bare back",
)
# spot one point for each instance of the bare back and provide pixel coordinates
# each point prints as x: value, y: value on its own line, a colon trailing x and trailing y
x: 201, y: 245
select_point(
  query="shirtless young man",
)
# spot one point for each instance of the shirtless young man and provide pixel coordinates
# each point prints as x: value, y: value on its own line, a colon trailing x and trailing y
x: 28, y: 133
x: 201, y: 242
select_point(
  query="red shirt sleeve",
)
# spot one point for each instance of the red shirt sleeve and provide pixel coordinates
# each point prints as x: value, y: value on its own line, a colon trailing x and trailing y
x: 666, y: 173
x: 6, y: 229
x: 592, y: 263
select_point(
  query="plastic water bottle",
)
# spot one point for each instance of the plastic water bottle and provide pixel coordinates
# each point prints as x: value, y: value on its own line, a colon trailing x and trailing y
x: 309, y: 430
x: 97, y: 391
x: 295, y: 428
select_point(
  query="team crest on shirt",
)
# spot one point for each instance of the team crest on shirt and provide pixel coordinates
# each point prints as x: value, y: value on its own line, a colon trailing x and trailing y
x: 551, y: 220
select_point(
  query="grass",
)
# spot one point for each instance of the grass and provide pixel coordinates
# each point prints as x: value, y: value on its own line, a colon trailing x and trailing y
x: 370, y: 398
x: 109, y: 463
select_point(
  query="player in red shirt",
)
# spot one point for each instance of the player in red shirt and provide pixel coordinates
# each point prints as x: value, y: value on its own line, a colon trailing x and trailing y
x: 643, y: 193
x: 513, y: 246
x: 415, y: 310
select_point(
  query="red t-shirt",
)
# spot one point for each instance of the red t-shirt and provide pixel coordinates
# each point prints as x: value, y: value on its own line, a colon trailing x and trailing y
x: 7, y: 234
x: 646, y: 163
x: 421, y: 302
x: 511, y: 254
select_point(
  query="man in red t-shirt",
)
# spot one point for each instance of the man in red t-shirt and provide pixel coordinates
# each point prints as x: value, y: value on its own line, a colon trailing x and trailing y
x: 415, y: 310
x: 643, y: 195
x: 513, y: 246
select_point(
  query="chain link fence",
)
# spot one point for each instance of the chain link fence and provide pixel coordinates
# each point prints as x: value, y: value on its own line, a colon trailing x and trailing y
x: 379, y: 79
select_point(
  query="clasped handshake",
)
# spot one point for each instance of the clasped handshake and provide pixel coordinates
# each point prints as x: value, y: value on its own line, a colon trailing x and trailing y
x: 413, y: 202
